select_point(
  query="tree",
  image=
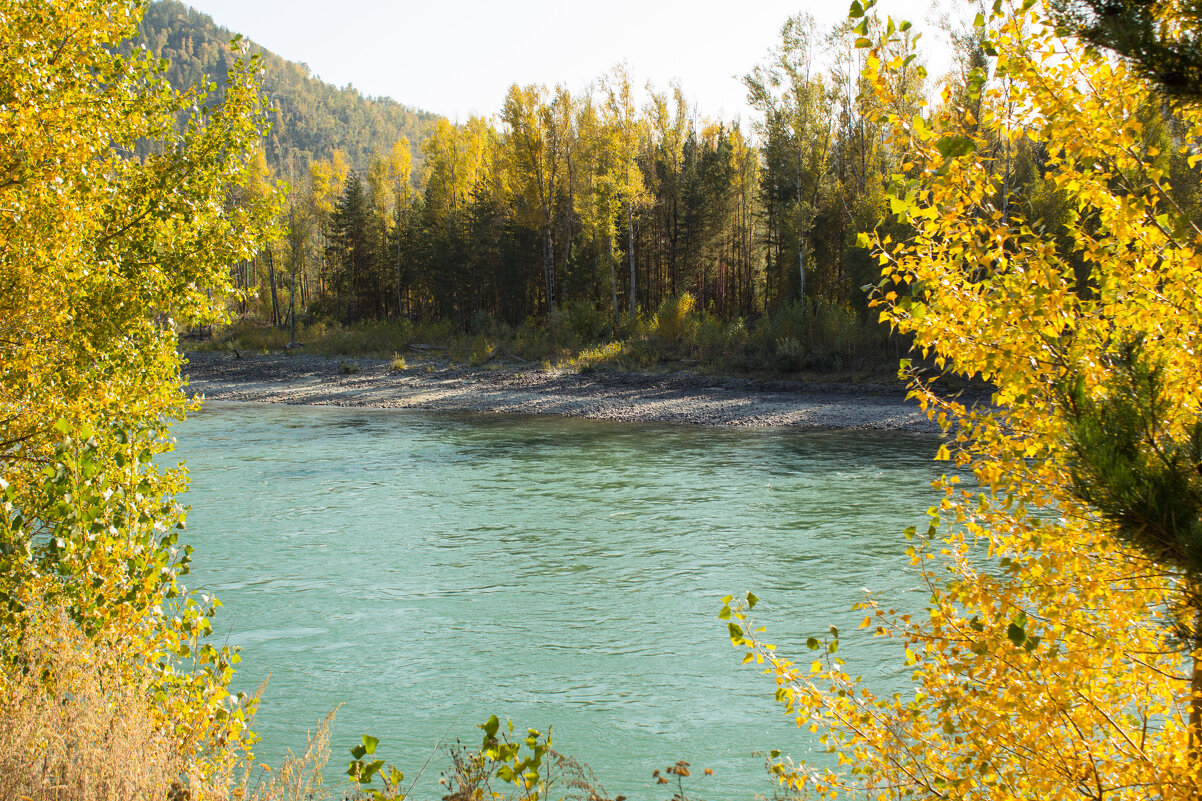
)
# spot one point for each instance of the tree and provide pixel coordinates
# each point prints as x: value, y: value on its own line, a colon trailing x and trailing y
x: 797, y: 118
x: 1043, y: 666
x: 537, y: 141
x: 668, y: 134
x: 353, y: 250
x: 103, y: 258
x: 326, y: 182
x: 400, y: 173
x: 1161, y: 41
x: 628, y: 132
x: 596, y: 203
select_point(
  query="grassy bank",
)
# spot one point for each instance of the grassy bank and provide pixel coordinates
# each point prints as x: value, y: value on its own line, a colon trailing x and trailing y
x: 816, y: 339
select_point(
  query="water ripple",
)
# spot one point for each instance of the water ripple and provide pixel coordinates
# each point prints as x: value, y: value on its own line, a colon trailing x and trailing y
x: 427, y: 571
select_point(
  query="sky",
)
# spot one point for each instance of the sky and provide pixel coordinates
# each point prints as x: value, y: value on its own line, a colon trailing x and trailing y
x: 459, y: 58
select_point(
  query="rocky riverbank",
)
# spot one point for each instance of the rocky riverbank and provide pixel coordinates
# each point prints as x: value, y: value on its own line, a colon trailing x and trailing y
x: 522, y: 389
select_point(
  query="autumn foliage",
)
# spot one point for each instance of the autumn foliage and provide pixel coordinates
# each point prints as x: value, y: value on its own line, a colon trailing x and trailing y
x: 1050, y: 661
x: 103, y: 256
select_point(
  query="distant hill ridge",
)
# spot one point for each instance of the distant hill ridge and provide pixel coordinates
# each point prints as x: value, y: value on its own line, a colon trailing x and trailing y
x: 312, y: 118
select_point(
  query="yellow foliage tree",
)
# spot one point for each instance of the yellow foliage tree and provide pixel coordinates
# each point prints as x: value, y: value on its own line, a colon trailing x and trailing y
x: 1043, y: 666
x: 103, y: 257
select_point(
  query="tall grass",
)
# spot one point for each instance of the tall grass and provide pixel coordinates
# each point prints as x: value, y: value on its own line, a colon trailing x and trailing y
x: 74, y: 726
x: 73, y: 729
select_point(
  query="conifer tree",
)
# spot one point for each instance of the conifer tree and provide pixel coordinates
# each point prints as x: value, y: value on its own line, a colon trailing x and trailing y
x: 1162, y: 40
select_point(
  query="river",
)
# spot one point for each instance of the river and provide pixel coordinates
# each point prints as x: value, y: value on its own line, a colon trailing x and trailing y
x: 425, y: 571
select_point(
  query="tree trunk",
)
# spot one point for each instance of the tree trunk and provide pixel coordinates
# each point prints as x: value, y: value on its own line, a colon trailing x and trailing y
x: 1195, y: 706
x: 630, y: 248
x: 275, y: 304
x: 399, y: 289
x: 613, y: 274
x: 801, y: 267
x: 549, y: 267
x: 297, y: 249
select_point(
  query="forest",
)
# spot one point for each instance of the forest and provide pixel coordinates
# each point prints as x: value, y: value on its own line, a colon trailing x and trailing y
x: 1031, y: 220
x: 582, y: 216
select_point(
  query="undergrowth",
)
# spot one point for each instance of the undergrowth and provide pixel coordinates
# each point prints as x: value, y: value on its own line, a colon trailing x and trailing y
x: 73, y: 727
x: 817, y: 337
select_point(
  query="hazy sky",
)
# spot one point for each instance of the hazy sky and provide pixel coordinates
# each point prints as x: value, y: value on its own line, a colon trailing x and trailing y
x: 458, y: 58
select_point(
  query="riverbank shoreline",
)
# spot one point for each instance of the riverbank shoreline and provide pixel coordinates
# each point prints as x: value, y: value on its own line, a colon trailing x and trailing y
x: 304, y: 379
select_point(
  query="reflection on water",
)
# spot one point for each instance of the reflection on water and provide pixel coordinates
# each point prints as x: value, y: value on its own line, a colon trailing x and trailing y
x: 426, y: 571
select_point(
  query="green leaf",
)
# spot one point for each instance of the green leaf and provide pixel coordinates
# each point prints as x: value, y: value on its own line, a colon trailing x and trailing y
x: 369, y: 770
x: 813, y: 644
x: 358, y: 752
x: 751, y: 600
x: 979, y: 22
x: 370, y: 743
x: 856, y: 11
x: 724, y: 614
x: 863, y: 42
x: 955, y: 146
x: 1017, y: 634
x: 491, y: 726
x: 736, y: 633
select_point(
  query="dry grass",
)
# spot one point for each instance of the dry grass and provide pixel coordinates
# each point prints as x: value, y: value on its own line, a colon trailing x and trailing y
x: 72, y: 730
x: 297, y: 779
x: 74, y: 727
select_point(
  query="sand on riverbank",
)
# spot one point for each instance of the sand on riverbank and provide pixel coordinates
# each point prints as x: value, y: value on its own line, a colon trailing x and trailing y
x: 519, y: 389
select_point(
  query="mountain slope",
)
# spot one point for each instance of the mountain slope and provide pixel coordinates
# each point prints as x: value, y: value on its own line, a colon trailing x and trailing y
x: 311, y: 117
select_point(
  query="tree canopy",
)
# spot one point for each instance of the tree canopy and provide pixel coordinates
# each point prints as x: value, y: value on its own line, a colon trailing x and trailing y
x: 104, y: 256
x: 1049, y: 661
x: 1162, y: 41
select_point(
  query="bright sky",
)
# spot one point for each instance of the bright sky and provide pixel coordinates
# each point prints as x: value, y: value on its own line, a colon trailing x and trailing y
x: 458, y: 58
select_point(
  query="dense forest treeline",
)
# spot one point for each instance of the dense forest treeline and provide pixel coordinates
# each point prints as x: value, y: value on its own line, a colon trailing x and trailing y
x: 602, y: 207
x: 310, y: 118
x: 595, y: 213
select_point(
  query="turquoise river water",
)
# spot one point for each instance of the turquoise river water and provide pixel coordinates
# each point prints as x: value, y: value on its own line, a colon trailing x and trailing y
x: 428, y: 570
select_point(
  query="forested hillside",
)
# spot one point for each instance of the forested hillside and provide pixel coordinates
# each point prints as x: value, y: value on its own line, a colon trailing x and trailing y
x: 311, y: 117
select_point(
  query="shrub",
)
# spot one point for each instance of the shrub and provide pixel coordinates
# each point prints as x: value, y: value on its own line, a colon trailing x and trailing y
x: 482, y: 354
x: 672, y: 322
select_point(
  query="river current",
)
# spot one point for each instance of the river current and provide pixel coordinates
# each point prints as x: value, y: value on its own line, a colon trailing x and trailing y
x: 425, y: 571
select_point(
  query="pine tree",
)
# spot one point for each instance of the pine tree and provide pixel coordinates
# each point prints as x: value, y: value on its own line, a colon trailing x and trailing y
x: 1163, y: 41
x: 353, y: 250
